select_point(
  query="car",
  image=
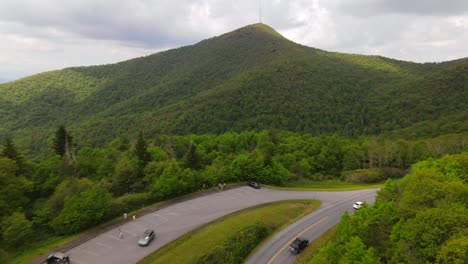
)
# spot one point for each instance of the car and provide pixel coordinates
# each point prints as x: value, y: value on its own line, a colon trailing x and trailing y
x: 298, y: 245
x: 254, y: 184
x: 357, y: 205
x: 58, y: 258
x: 147, y: 237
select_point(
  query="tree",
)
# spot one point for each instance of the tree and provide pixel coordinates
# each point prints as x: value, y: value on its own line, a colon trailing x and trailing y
x: 141, y: 151
x: 191, y: 158
x: 60, y: 141
x: 13, y: 189
x: 16, y: 229
x: 63, y: 146
x: 10, y: 151
x: 83, y: 211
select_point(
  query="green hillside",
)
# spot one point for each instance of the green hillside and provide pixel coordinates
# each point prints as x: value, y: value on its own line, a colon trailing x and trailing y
x: 248, y: 79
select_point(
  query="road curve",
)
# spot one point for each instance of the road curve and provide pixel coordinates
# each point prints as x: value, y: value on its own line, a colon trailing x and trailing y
x: 173, y: 221
x: 309, y: 227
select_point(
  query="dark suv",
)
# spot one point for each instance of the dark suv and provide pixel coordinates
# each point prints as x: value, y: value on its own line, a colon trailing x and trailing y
x: 254, y: 185
x: 58, y: 258
x: 298, y: 245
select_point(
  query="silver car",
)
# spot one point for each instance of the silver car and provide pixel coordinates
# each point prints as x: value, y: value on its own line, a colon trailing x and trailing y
x: 147, y: 237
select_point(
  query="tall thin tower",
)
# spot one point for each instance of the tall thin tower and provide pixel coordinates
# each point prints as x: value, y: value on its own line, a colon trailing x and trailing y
x: 260, y: 10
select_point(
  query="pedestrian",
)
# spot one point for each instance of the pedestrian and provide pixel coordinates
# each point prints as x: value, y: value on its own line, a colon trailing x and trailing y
x: 120, y: 234
x: 224, y: 186
x: 134, y: 217
x: 220, y: 187
x: 125, y: 216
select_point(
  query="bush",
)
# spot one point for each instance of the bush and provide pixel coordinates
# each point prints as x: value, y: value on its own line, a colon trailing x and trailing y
x: 16, y: 229
x: 363, y: 176
x: 129, y: 202
x: 83, y: 211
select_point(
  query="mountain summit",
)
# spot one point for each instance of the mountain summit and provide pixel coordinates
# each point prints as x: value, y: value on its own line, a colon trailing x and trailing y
x: 249, y: 79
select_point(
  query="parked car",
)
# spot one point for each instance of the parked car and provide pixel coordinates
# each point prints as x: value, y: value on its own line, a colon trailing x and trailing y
x: 58, y: 258
x: 253, y: 184
x: 357, y: 205
x: 147, y: 237
x: 298, y: 245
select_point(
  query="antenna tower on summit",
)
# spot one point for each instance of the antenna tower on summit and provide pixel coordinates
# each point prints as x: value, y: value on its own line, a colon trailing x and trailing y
x: 260, y: 10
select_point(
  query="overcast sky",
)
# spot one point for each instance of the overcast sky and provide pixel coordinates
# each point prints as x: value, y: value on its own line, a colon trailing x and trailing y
x: 37, y: 36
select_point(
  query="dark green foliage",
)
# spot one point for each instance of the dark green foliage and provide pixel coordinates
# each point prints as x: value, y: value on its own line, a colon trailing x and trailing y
x: 236, y: 248
x: 16, y: 230
x: 60, y: 141
x: 191, y: 159
x: 10, y: 151
x: 248, y: 79
x: 13, y: 188
x: 141, y: 151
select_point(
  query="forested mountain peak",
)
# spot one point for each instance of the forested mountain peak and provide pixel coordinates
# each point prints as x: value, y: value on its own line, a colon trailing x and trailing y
x: 249, y: 79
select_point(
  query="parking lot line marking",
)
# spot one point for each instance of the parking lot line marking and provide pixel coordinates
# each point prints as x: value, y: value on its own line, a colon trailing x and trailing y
x: 290, y: 241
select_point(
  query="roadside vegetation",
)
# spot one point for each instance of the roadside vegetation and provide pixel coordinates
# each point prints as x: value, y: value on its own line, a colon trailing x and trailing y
x: 422, y: 218
x: 326, y: 185
x: 233, y: 237
x: 71, y: 189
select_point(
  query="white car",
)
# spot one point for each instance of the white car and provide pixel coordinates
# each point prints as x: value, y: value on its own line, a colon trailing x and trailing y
x: 357, y: 205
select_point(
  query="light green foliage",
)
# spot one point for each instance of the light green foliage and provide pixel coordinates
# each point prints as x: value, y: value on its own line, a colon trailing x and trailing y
x: 422, y: 236
x: 67, y: 189
x: 355, y: 252
x: 455, y: 250
x: 83, y: 211
x: 16, y: 230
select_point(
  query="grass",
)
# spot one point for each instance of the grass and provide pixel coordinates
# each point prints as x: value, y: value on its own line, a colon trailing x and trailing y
x: 331, y: 185
x: 47, y: 245
x: 194, y: 244
x: 313, y: 247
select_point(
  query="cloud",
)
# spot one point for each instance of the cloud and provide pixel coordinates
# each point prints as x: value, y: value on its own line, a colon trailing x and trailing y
x: 43, y: 35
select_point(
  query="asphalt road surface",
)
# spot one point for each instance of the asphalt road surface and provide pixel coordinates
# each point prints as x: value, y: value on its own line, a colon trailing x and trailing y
x: 309, y: 227
x: 173, y: 221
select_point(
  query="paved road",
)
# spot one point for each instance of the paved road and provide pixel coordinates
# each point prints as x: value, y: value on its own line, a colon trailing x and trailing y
x: 309, y: 227
x: 176, y: 220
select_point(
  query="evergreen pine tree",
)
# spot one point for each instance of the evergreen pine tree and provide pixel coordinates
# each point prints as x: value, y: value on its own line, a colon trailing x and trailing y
x: 10, y: 151
x: 141, y: 150
x: 191, y: 159
x: 60, y: 141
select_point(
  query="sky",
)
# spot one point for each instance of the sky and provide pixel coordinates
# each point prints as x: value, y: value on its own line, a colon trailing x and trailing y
x: 38, y: 36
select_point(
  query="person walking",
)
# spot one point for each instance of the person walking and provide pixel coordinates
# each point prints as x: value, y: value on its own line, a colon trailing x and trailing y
x: 125, y: 216
x: 134, y: 217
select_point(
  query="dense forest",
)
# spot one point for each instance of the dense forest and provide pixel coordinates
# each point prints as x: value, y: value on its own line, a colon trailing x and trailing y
x: 248, y: 79
x: 72, y: 189
x: 422, y: 218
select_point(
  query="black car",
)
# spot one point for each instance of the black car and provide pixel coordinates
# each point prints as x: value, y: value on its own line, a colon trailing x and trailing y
x: 58, y: 258
x: 147, y: 237
x: 298, y: 245
x: 253, y: 184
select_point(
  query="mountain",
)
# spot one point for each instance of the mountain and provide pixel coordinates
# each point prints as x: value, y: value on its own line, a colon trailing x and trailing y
x: 249, y: 79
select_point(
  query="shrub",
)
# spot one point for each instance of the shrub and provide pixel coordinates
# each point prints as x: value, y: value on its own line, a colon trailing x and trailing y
x: 129, y: 202
x: 363, y: 176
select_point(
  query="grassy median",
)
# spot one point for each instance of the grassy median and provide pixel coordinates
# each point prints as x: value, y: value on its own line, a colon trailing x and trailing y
x: 192, y: 246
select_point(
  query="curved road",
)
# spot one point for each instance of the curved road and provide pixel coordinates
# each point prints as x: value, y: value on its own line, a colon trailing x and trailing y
x: 176, y: 220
